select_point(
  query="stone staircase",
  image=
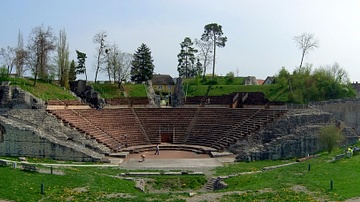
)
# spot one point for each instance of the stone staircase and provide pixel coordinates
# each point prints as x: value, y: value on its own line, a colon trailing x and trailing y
x: 209, y: 186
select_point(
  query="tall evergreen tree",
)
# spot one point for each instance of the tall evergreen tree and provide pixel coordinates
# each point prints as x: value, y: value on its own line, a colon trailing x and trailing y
x: 213, y: 32
x: 142, y: 67
x: 186, y: 59
x: 80, y: 68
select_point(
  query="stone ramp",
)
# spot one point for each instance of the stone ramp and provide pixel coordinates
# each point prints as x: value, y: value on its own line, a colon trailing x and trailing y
x: 172, y: 164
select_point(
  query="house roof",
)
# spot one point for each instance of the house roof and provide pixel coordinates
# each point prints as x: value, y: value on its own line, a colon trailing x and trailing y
x: 260, y: 81
x: 269, y: 79
x: 162, y: 79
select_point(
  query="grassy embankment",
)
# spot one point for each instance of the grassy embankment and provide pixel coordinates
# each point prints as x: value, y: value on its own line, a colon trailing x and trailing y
x: 290, y: 183
x: 42, y: 90
x: 198, y: 87
x: 192, y: 87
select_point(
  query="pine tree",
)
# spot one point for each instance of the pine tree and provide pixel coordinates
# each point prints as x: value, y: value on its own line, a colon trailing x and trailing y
x: 186, y: 58
x: 142, y: 66
x: 80, y: 68
x: 213, y: 32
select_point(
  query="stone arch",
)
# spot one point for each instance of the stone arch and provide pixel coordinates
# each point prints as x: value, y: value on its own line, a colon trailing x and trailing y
x: 2, y: 133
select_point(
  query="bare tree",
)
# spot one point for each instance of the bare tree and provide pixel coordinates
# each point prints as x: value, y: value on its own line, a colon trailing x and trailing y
x: 9, y: 56
x: 41, y: 43
x: 62, y: 59
x: 336, y: 72
x: 99, y: 40
x: 118, y: 63
x: 111, y: 60
x: 124, y: 67
x: 306, y: 42
x: 204, y: 53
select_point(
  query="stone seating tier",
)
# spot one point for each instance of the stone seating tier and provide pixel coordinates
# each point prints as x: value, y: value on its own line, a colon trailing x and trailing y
x: 211, y: 127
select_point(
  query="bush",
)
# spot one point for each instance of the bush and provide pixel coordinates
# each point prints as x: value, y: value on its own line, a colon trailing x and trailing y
x: 331, y: 137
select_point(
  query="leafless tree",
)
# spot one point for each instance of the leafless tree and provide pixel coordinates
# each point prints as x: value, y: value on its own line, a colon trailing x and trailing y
x: 41, y: 43
x: 8, y: 54
x: 306, y: 42
x: 204, y: 53
x: 124, y: 67
x: 99, y: 40
x: 118, y: 63
x: 335, y: 71
x: 62, y: 59
x: 111, y: 60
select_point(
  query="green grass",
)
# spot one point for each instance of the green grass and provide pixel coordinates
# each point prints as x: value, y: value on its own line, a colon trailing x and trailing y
x: 42, y: 90
x: 113, y: 91
x: 238, y: 167
x: 135, y: 90
x: 272, y: 92
x: 25, y: 186
x: 216, y: 81
x: 344, y: 174
x: 108, y: 91
x: 178, y: 183
x: 192, y: 87
x: 49, y: 91
x: 283, y: 195
x: 103, y: 184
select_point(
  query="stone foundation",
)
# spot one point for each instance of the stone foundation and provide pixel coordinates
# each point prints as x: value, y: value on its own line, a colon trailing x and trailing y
x: 44, y: 137
x: 293, y: 135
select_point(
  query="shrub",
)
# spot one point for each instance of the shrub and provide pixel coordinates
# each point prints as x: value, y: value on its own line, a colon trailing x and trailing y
x: 331, y: 137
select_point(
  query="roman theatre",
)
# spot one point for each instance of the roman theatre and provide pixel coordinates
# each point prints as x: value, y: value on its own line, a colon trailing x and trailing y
x: 241, y: 126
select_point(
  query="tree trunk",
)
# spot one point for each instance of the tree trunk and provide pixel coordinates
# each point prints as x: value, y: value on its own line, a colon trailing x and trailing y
x: 213, y: 73
x: 204, y: 74
x: 302, y: 59
x: 96, y: 73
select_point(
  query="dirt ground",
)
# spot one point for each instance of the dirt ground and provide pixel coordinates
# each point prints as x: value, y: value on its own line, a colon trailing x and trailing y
x: 168, y: 154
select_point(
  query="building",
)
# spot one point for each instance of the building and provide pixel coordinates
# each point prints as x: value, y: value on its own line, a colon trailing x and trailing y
x: 269, y: 80
x: 163, y: 84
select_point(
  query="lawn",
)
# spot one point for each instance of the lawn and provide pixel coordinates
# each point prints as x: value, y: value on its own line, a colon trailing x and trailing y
x: 314, y: 183
x: 43, y: 90
x: 290, y: 183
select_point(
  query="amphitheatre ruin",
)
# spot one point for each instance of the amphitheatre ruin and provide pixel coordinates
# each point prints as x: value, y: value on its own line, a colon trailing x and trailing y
x: 244, y: 124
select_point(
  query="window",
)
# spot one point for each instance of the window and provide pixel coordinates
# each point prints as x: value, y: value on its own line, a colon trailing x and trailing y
x: 160, y: 87
x: 169, y: 87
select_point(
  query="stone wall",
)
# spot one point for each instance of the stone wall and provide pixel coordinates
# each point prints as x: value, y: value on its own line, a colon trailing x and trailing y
x: 347, y: 110
x: 87, y: 93
x: 177, y: 98
x: 34, y: 133
x: 13, y: 97
x: 293, y: 135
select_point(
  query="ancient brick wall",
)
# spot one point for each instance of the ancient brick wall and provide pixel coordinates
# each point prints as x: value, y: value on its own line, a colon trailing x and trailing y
x: 13, y: 97
x: 347, y: 110
x: 47, y: 140
x: 293, y: 135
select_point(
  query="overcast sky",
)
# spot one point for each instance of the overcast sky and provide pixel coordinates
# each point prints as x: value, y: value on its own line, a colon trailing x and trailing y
x: 260, y: 32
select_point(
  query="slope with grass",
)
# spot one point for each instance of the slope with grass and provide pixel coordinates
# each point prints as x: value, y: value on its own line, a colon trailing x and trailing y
x: 294, y: 182
x: 42, y: 90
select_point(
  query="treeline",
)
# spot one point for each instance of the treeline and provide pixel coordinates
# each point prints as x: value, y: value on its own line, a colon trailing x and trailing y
x: 307, y: 85
x: 46, y: 56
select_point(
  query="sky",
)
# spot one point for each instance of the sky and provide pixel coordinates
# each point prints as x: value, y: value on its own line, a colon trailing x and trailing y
x: 260, y: 32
